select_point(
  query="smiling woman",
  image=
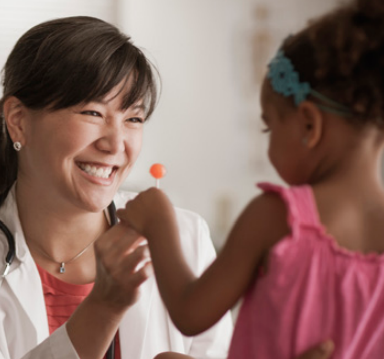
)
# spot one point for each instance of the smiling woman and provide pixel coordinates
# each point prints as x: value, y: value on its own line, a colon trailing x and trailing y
x: 77, y: 93
x: 68, y: 55
x: 81, y: 153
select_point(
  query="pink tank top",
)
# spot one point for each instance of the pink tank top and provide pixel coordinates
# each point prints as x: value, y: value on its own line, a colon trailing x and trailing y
x: 62, y: 299
x: 313, y: 290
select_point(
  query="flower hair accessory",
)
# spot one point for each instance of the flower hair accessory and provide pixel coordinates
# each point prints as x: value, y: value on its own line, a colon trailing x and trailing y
x: 285, y: 81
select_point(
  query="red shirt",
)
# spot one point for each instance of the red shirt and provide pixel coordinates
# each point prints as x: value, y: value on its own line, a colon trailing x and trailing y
x: 61, y: 300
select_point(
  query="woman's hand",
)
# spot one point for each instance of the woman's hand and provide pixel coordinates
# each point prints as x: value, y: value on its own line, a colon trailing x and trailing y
x: 322, y: 351
x: 122, y: 265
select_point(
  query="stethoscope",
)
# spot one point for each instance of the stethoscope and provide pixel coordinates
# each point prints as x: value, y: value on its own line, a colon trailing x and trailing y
x: 12, y: 250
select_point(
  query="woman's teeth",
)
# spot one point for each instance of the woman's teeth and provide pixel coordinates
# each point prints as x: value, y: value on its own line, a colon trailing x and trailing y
x: 102, y: 172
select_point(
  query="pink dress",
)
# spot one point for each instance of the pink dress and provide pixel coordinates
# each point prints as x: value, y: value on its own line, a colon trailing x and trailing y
x: 312, y: 290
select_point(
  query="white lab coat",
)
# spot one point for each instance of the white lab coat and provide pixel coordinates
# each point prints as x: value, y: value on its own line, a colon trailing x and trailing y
x: 146, y: 328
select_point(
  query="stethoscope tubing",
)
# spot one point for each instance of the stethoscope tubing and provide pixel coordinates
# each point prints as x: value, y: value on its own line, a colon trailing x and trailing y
x: 113, y: 219
x: 12, y: 250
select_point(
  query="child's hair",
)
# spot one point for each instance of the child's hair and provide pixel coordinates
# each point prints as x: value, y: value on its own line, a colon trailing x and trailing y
x: 341, y: 56
x: 64, y: 62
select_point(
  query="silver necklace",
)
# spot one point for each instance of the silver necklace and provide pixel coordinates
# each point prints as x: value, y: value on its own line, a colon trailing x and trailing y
x: 62, y: 264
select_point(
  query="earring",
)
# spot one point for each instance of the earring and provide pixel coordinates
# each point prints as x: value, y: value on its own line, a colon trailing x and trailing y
x: 304, y: 141
x: 17, y: 146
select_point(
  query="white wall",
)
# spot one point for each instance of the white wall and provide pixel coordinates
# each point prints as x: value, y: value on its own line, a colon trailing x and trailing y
x: 17, y: 16
x: 206, y: 128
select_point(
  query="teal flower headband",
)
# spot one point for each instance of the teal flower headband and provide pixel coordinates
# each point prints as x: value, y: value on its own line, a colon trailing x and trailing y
x: 285, y: 81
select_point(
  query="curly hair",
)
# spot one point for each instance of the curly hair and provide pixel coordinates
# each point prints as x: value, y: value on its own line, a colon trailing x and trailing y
x: 341, y: 55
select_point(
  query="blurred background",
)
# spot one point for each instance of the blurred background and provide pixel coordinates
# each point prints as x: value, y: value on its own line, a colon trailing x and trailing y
x: 212, y: 56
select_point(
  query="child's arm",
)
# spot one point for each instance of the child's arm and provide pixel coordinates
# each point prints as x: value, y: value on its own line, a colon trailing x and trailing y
x: 195, y: 304
x: 321, y: 351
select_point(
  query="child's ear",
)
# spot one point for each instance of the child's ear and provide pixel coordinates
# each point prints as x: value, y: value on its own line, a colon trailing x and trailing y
x: 312, y: 122
x: 15, y: 117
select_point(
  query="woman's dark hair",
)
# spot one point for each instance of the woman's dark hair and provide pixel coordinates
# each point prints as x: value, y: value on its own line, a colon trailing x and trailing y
x: 342, y: 56
x: 68, y: 61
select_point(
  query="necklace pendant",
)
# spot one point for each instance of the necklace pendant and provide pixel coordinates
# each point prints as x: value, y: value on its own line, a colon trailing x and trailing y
x: 62, y: 268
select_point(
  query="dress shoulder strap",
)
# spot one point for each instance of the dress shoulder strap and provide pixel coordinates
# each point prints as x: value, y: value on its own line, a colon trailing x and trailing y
x: 300, y: 202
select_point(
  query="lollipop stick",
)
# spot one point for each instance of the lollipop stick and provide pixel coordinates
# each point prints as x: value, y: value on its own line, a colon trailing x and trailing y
x: 157, y: 183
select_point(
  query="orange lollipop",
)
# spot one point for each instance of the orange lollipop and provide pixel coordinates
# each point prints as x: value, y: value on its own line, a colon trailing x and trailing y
x: 158, y: 171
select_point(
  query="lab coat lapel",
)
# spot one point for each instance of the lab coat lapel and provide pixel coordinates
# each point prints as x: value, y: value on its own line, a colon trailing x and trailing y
x: 136, y: 323
x: 25, y: 283
x: 23, y: 277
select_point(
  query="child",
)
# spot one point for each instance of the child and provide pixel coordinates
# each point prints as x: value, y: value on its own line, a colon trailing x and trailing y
x: 307, y: 258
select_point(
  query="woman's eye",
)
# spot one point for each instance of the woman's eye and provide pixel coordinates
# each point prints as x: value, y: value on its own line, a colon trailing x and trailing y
x: 91, y: 113
x: 135, y: 120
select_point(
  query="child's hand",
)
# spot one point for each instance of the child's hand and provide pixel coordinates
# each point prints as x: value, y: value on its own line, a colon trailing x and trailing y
x: 322, y: 351
x: 172, y: 355
x: 148, y: 213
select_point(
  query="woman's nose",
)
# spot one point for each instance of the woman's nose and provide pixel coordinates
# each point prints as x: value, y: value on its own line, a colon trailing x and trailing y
x: 111, y: 140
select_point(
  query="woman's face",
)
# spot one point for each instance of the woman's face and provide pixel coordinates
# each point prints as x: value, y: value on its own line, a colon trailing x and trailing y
x: 82, y: 154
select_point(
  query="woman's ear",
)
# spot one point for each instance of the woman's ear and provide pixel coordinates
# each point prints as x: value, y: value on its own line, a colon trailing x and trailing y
x: 15, y: 117
x: 312, y: 123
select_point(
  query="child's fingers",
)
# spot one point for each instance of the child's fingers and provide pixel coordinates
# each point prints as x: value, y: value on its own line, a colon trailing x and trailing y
x: 128, y: 212
x: 171, y: 355
x: 322, y: 351
x: 130, y: 218
x: 122, y: 214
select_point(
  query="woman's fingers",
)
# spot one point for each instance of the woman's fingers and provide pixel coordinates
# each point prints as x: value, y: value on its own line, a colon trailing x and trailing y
x: 135, y: 258
x: 142, y: 274
x: 122, y: 266
x: 120, y: 248
x: 322, y: 351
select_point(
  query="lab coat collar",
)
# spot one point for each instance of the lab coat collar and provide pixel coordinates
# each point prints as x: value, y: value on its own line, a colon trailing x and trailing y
x: 25, y: 282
